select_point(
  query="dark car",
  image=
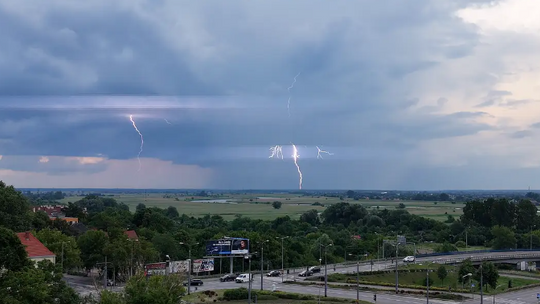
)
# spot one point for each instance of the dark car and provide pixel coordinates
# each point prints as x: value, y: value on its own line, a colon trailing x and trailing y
x: 273, y: 273
x: 194, y: 282
x: 228, y: 277
x: 315, y: 269
x: 306, y: 273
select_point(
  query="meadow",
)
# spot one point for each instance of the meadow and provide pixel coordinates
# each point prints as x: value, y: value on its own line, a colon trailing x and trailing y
x: 259, y: 206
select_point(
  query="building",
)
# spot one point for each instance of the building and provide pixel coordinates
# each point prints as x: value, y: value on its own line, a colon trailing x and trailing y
x: 56, y: 213
x: 132, y: 235
x: 35, y: 249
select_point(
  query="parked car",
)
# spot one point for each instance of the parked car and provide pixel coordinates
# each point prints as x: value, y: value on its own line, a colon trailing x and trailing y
x: 306, y: 273
x: 408, y: 259
x: 228, y: 277
x: 111, y: 282
x: 315, y: 269
x: 194, y: 282
x: 273, y: 273
x: 243, y: 278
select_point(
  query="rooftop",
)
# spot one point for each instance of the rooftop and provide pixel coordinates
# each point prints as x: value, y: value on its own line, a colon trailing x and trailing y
x: 33, y: 246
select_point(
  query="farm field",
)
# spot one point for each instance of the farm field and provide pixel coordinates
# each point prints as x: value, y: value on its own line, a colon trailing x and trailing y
x: 259, y: 206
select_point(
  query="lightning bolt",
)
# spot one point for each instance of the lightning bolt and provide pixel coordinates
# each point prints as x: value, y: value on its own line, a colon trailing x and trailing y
x: 142, y: 140
x: 319, y: 151
x: 295, y: 158
x: 276, y: 152
x: 167, y: 121
x: 289, y: 90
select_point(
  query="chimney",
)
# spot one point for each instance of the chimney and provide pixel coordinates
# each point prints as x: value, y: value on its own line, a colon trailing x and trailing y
x: 27, y: 235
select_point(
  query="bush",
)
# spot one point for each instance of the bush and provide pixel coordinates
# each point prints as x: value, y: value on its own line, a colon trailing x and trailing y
x: 461, y: 244
x: 237, y: 294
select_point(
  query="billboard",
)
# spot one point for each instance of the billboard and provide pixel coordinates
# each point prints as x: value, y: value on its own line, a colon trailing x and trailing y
x: 155, y: 269
x: 240, y: 246
x: 179, y: 266
x: 218, y: 247
x: 203, y: 265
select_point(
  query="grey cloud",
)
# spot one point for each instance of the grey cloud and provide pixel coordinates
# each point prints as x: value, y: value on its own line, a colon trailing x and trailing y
x: 536, y: 125
x: 521, y: 134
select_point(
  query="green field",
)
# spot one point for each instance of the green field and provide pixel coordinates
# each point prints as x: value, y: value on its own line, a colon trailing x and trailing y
x: 417, y: 279
x: 259, y: 206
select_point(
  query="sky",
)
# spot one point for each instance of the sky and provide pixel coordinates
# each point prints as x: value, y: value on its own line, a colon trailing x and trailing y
x: 405, y: 94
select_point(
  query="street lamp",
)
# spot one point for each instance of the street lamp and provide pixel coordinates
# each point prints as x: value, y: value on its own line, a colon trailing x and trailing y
x: 325, y: 270
x: 262, y: 262
x: 463, y: 279
x: 248, y: 257
x: 189, y: 265
x: 282, y: 256
x: 357, y: 277
x: 132, y: 249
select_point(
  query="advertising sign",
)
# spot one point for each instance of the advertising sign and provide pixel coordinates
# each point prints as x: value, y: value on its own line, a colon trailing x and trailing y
x: 240, y: 246
x: 218, y: 247
x: 203, y: 265
x: 155, y: 269
x: 179, y: 266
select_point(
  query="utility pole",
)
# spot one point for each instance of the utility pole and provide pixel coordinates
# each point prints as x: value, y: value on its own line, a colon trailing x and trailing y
x: 427, y: 284
x: 481, y: 286
x: 325, y: 269
x: 357, y: 280
x: 282, y: 257
x: 189, y: 265
x: 248, y: 256
x: 262, y: 264
x: 397, y: 278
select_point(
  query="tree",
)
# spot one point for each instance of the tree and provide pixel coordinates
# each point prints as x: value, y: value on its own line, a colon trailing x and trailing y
x: 12, y: 253
x: 503, y: 238
x: 41, y: 284
x: 446, y: 247
x: 276, y: 204
x: 442, y: 273
x: 60, y: 243
x: 401, y: 206
x: 525, y: 215
x: 311, y: 217
x: 15, y: 213
x: 140, y: 207
x: 92, y: 244
x: 490, y: 274
x: 172, y: 212
x: 156, y: 289
x: 465, y: 268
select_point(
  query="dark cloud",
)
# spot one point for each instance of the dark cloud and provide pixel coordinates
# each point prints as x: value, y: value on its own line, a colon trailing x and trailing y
x: 71, y: 73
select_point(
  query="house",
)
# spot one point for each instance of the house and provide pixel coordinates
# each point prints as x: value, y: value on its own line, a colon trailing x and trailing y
x: 132, y: 235
x: 56, y: 213
x: 35, y: 249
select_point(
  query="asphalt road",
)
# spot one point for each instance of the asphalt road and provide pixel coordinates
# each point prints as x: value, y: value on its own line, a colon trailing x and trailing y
x: 527, y: 296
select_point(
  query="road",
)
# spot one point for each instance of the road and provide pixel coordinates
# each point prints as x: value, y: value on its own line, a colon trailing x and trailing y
x: 527, y: 296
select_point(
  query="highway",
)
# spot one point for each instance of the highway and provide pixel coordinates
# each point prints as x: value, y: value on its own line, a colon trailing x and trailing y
x: 519, y: 297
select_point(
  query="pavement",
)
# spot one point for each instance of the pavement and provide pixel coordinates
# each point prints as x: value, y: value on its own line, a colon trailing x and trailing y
x: 86, y: 286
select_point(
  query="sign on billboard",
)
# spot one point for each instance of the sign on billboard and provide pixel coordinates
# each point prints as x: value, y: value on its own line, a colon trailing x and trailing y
x: 179, y: 266
x: 203, y: 265
x: 240, y: 246
x: 155, y: 269
x: 218, y: 247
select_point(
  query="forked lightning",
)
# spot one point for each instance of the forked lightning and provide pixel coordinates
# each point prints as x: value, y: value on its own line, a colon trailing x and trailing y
x: 319, y: 152
x: 295, y: 158
x: 276, y: 152
x: 142, y: 140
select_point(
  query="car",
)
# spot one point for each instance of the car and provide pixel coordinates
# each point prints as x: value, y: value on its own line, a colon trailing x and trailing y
x: 408, y: 259
x: 306, y: 273
x: 243, y: 278
x: 194, y: 282
x: 273, y: 273
x: 228, y: 277
x: 315, y: 269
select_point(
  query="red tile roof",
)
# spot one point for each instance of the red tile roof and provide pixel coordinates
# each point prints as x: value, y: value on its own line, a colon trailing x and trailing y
x: 131, y: 234
x: 33, y: 246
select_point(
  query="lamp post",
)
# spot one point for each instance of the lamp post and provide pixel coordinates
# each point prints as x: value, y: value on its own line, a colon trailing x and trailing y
x: 282, y: 256
x: 463, y: 279
x: 189, y: 265
x: 481, y: 286
x: 357, y: 277
x: 262, y: 263
x: 325, y: 270
x: 132, y: 249
x: 248, y: 257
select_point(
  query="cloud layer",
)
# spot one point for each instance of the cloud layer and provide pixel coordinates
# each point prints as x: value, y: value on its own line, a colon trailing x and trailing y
x: 419, y: 95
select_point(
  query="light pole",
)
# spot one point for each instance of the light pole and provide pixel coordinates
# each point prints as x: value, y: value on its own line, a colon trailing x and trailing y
x: 463, y: 279
x: 248, y: 257
x: 481, y: 286
x: 189, y: 265
x: 357, y: 277
x: 397, y: 277
x: 325, y: 270
x: 262, y: 263
x: 282, y: 256
x: 132, y: 249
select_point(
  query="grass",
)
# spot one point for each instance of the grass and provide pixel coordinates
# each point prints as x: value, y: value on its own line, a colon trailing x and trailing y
x: 418, y: 278
x: 268, y: 297
x: 259, y: 206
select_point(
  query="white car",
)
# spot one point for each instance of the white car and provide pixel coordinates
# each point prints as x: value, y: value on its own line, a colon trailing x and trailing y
x: 408, y: 259
x: 243, y: 278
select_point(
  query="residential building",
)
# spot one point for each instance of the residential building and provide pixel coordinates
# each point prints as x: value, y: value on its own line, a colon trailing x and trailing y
x: 35, y: 249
